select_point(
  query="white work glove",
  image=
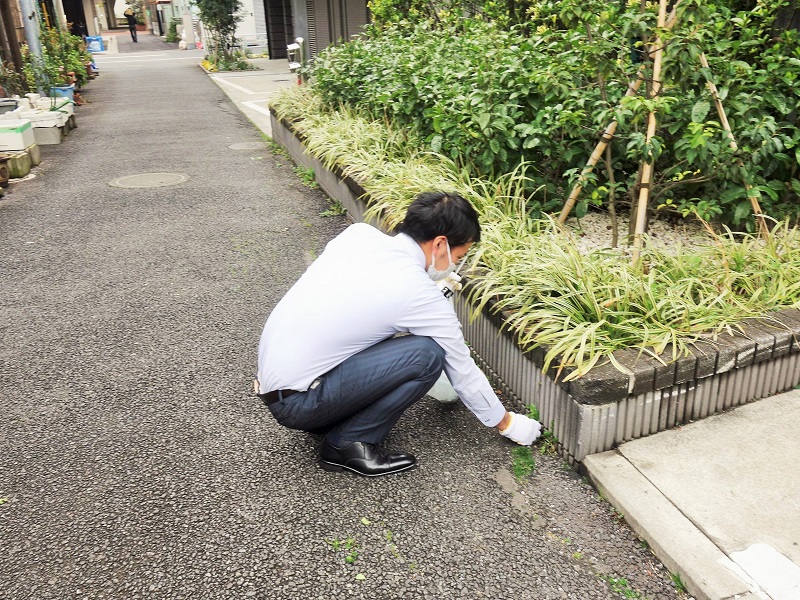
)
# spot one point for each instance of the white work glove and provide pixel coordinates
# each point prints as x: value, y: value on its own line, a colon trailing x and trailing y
x: 450, y: 284
x: 522, y: 429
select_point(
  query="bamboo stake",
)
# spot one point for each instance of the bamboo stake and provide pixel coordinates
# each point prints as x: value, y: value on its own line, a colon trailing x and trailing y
x: 647, y: 166
x: 605, y: 139
x: 609, y: 132
x: 723, y: 118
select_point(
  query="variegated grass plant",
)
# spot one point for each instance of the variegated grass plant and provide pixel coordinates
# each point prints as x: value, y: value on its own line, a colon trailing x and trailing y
x: 583, y: 307
x: 580, y: 306
x: 385, y: 162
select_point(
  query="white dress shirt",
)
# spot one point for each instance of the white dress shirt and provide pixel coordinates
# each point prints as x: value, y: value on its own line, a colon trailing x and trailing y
x: 364, y: 288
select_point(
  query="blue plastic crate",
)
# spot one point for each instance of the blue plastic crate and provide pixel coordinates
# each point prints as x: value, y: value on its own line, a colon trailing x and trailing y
x: 95, y: 44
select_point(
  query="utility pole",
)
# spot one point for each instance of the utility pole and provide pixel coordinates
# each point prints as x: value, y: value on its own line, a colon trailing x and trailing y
x: 30, y: 20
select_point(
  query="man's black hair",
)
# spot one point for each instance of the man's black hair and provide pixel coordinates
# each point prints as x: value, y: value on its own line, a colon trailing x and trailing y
x: 432, y: 214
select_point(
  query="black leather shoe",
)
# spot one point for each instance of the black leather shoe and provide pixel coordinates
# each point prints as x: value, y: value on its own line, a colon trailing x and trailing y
x: 365, y: 459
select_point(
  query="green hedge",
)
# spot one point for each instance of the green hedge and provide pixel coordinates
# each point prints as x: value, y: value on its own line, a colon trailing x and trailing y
x: 490, y: 96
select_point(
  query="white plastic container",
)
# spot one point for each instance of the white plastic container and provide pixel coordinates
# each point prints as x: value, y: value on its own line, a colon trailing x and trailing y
x: 60, y: 104
x: 15, y: 135
x: 48, y: 136
x: 47, y: 119
x: 23, y: 104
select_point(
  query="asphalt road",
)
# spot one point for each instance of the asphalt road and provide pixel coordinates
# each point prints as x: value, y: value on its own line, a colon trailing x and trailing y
x: 135, y: 463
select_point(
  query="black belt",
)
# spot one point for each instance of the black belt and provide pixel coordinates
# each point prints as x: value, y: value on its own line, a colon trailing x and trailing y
x: 275, y: 395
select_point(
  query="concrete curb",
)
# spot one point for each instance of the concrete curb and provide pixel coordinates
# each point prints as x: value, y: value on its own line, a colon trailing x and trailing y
x: 685, y: 550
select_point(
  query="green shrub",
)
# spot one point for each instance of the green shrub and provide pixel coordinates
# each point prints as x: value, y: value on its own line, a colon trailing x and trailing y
x: 61, y: 54
x: 220, y: 18
x: 494, y: 96
x: 172, y: 33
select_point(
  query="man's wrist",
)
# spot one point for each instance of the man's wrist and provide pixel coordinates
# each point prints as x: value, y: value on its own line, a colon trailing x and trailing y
x: 504, y: 423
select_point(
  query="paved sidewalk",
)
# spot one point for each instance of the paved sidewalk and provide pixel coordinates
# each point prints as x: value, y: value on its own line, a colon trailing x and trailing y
x: 250, y: 91
x: 146, y: 41
x: 718, y: 499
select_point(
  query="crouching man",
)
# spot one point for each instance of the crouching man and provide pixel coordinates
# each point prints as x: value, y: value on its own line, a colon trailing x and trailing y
x: 329, y: 360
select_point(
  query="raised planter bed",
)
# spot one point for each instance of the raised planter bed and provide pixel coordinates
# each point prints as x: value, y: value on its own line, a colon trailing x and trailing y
x: 606, y: 407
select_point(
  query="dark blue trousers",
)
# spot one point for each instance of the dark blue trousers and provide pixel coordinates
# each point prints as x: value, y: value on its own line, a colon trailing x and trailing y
x: 362, y: 398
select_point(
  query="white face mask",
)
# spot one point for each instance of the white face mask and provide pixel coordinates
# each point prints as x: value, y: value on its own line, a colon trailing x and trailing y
x: 435, y: 273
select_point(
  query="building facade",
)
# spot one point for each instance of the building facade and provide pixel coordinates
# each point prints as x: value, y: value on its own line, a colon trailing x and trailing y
x: 319, y: 22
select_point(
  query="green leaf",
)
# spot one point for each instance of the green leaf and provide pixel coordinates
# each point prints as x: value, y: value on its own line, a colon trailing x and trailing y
x: 361, y: 577
x: 776, y: 185
x: 743, y: 210
x: 365, y: 521
x: 674, y: 127
x: 732, y: 194
x: 740, y: 64
x: 769, y: 192
x: 700, y: 110
x: 483, y: 120
x: 532, y: 142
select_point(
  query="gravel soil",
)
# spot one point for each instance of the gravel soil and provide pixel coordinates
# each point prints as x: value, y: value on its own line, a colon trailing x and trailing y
x: 134, y: 460
x: 664, y: 231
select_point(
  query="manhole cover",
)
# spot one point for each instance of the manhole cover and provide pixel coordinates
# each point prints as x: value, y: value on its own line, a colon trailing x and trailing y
x: 248, y: 146
x: 148, y: 180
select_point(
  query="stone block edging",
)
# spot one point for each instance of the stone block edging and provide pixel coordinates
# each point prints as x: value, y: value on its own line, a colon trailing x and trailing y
x: 606, y: 407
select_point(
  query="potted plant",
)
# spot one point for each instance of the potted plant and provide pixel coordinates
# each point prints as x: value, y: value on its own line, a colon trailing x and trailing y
x: 62, y: 64
x: 40, y: 72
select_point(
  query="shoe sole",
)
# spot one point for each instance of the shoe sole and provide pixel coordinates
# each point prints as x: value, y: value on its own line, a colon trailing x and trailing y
x: 334, y: 468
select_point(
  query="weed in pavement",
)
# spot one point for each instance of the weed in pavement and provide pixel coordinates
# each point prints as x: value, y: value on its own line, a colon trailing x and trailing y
x: 306, y: 175
x: 523, y: 463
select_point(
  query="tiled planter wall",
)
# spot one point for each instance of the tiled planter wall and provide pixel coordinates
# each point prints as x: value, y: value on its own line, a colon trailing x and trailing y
x: 607, y: 407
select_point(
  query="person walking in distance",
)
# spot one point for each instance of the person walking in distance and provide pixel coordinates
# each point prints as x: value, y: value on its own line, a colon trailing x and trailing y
x: 131, y: 17
x: 365, y: 333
